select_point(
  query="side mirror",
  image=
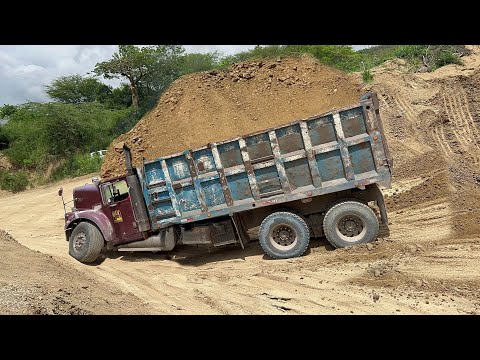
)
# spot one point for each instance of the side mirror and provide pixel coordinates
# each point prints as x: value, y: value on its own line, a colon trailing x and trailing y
x: 60, y: 191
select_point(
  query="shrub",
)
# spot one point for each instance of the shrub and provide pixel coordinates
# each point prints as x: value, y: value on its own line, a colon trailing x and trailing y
x: 78, y: 165
x: 40, y: 134
x: 13, y: 182
x: 433, y: 56
x: 410, y: 52
x: 367, y: 76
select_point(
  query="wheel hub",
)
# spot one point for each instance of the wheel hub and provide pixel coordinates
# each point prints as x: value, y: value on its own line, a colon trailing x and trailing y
x: 350, y: 225
x: 79, y: 241
x: 283, y: 235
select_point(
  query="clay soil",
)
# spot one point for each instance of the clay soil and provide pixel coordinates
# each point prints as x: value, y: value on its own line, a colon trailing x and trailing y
x: 424, y: 262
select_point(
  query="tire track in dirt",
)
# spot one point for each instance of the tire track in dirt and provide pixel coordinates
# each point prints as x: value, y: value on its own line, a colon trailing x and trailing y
x: 456, y: 109
x: 442, y: 142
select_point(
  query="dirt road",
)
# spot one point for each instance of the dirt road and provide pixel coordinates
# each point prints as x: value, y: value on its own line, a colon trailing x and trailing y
x: 410, y: 271
x: 426, y: 262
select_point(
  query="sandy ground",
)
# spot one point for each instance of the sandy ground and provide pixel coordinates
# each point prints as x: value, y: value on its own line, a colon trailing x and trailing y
x: 425, y: 262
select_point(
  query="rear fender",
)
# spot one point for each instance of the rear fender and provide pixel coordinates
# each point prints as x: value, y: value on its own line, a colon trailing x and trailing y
x: 96, y: 217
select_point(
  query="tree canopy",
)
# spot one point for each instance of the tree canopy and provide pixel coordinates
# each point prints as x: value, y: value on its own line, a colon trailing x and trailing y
x: 151, y: 67
x: 75, y: 89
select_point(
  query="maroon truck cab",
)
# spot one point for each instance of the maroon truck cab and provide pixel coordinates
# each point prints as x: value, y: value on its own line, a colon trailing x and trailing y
x: 108, y: 206
x: 112, y: 213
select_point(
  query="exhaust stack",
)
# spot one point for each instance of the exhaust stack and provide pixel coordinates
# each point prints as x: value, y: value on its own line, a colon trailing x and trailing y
x: 128, y: 159
x: 136, y: 193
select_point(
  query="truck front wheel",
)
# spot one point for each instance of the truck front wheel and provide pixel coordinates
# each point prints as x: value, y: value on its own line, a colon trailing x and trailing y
x: 350, y: 223
x: 86, y: 242
x: 284, y: 235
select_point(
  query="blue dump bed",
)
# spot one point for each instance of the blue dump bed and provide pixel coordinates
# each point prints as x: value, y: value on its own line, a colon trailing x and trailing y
x: 330, y: 152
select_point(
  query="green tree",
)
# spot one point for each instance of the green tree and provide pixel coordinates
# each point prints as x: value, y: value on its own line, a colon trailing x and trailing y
x: 7, y: 110
x: 152, y: 65
x: 75, y: 89
x: 121, y: 96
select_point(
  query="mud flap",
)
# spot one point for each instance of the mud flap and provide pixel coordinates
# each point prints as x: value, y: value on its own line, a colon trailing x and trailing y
x: 381, y: 204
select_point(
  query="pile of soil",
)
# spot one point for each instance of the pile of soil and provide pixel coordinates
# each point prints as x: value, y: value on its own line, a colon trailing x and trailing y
x: 218, y: 105
x: 35, y: 283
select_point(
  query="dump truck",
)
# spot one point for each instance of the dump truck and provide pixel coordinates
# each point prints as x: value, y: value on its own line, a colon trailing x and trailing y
x: 316, y: 177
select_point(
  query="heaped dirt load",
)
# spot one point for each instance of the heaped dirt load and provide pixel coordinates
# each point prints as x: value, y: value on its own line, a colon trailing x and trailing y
x: 35, y: 283
x: 213, y: 106
x: 425, y: 262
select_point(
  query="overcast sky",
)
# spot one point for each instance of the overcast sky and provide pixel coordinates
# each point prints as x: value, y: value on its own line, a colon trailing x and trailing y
x: 25, y: 69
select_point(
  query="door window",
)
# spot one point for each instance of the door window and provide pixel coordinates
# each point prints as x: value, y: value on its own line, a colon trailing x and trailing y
x: 115, y: 192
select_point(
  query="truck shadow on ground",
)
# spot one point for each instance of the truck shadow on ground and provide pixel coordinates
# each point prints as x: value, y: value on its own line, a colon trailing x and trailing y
x: 193, y: 256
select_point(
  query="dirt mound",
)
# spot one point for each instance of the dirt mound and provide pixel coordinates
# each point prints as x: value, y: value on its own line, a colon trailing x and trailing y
x: 213, y: 106
x: 34, y: 283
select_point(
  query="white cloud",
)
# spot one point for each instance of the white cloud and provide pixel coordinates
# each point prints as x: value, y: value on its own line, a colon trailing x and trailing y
x: 26, y: 69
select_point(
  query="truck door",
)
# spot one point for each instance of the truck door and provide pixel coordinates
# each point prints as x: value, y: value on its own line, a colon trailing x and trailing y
x: 117, y: 199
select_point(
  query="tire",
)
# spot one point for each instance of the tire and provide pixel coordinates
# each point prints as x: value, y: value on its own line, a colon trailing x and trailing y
x: 338, y: 201
x: 350, y: 223
x: 86, y: 242
x: 284, y: 235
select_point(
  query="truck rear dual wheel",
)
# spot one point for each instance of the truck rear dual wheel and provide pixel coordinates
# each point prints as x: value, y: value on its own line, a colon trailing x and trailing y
x: 86, y: 242
x: 350, y: 223
x: 284, y: 235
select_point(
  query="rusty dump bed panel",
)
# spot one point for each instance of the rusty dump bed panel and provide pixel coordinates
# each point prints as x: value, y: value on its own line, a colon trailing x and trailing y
x: 326, y: 153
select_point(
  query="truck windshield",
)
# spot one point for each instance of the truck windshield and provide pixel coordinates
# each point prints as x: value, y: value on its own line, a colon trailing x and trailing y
x: 115, y: 192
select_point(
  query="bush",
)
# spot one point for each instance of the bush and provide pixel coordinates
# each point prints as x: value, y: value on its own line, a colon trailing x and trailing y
x: 367, y: 76
x: 13, y: 182
x: 444, y: 55
x: 411, y: 52
x: 3, y: 140
x: 78, y: 165
x: 40, y: 134
x: 433, y: 56
x: 195, y: 62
